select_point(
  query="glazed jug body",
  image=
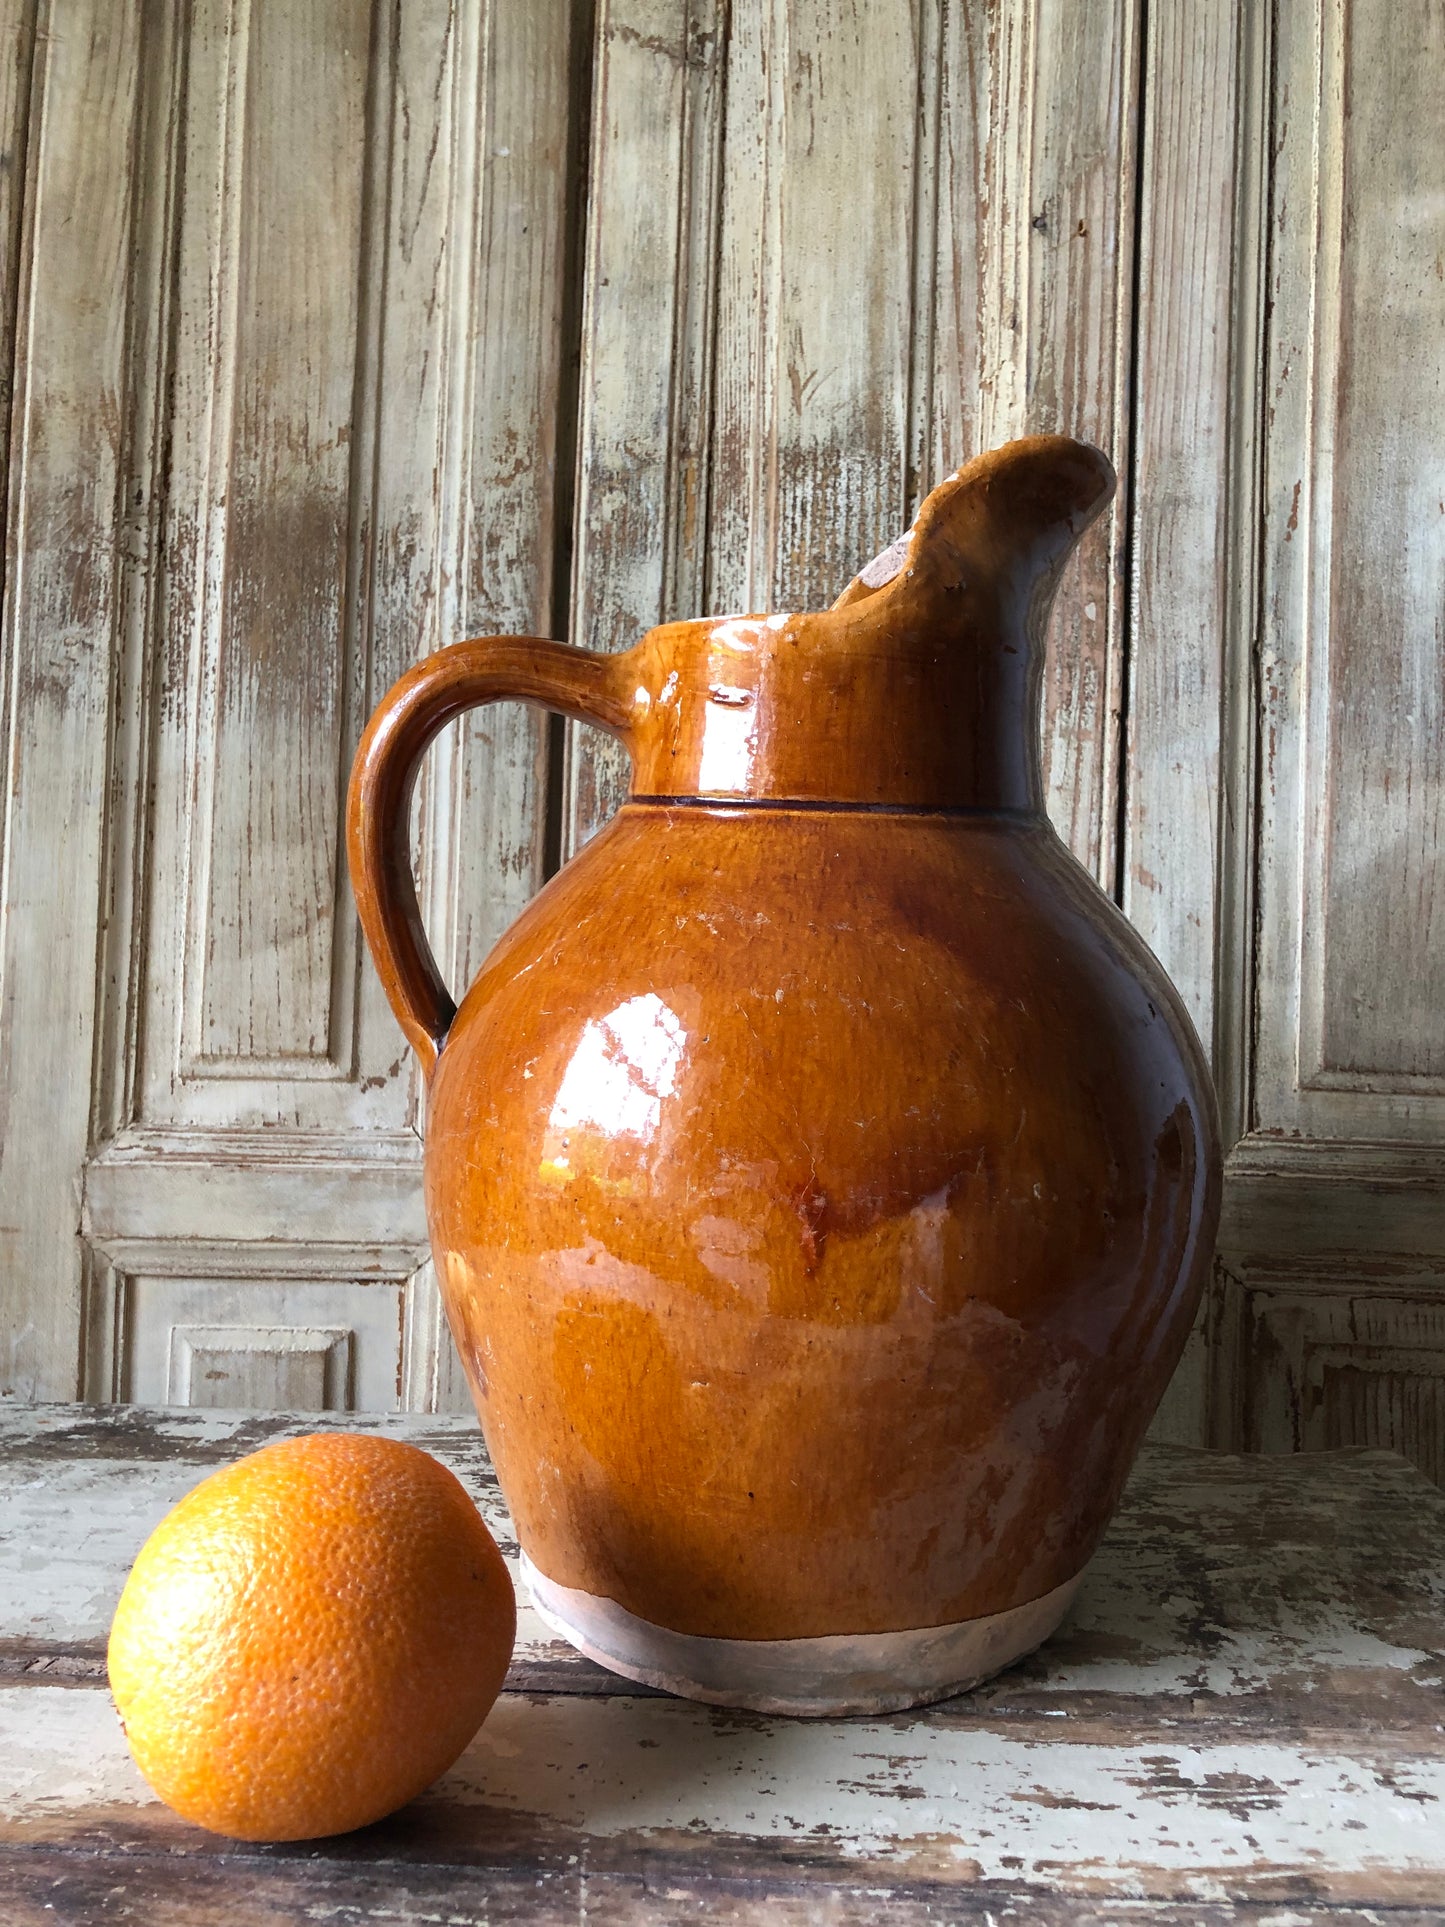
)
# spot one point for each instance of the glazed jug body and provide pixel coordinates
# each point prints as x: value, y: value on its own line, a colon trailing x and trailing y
x: 821, y: 1173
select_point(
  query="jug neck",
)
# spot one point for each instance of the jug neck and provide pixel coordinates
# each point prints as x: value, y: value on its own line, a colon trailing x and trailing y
x: 918, y: 689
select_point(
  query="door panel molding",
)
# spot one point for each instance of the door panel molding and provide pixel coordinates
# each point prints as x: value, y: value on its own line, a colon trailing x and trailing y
x: 67, y: 524
x: 348, y: 381
x: 1352, y: 770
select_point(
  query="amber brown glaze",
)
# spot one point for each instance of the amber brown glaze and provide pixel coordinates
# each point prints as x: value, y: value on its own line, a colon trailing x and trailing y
x: 822, y: 1175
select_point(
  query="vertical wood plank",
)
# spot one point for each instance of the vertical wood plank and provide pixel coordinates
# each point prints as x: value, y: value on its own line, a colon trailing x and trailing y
x: 815, y: 288
x: 149, y: 301
x: 648, y: 321
x: 1081, y: 258
x: 1183, y: 565
x: 280, y: 352
x: 1190, y: 816
x: 1351, y: 838
x: 1297, y: 128
x: 17, y: 49
x: 17, y: 52
x: 64, y: 531
x: 972, y: 275
x: 1373, y: 1016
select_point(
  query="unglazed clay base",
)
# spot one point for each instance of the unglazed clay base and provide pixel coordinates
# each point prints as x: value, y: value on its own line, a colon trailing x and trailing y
x: 843, y: 1673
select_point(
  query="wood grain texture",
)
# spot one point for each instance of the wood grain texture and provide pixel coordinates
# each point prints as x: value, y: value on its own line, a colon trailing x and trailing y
x: 1376, y: 851
x: 1333, y: 1197
x: 17, y: 53
x: 649, y: 319
x: 44, y: 1885
x: 813, y: 320
x: 1326, y: 1356
x: 1349, y: 1034
x: 295, y: 1368
x: 1208, y: 1586
x: 632, y: 1787
x: 1080, y: 264
x: 1182, y: 562
x: 1326, y: 1006
x: 231, y: 969
x: 65, y: 531
x: 1241, y: 1721
x: 921, y: 227
x: 1189, y: 808
x: 327, y: 363
x: 275, y: 169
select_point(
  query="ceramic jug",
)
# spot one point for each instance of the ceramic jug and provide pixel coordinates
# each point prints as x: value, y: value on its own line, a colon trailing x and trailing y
x: 822, y: 1175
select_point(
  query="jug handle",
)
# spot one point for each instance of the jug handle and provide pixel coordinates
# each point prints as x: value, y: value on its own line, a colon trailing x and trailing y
x: 487, y: 669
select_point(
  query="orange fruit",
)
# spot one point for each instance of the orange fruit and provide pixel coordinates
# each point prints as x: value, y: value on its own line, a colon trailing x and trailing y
x: 310, y: 1637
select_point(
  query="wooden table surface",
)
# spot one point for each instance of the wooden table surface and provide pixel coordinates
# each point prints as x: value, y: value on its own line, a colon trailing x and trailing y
x: 1242, y: 1719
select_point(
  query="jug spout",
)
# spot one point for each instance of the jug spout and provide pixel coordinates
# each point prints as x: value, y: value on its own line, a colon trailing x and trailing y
x: 917, y: 689
x: 1000, y: 529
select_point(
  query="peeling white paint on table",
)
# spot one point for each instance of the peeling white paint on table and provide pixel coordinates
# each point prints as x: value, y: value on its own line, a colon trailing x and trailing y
x: 1243, y: 1718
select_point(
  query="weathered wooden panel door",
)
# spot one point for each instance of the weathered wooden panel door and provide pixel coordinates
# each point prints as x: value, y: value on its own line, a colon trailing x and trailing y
x: 343, y: 329
x: 289, y: 287
x: 1285, y: 775
x: 1332, y: 1320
